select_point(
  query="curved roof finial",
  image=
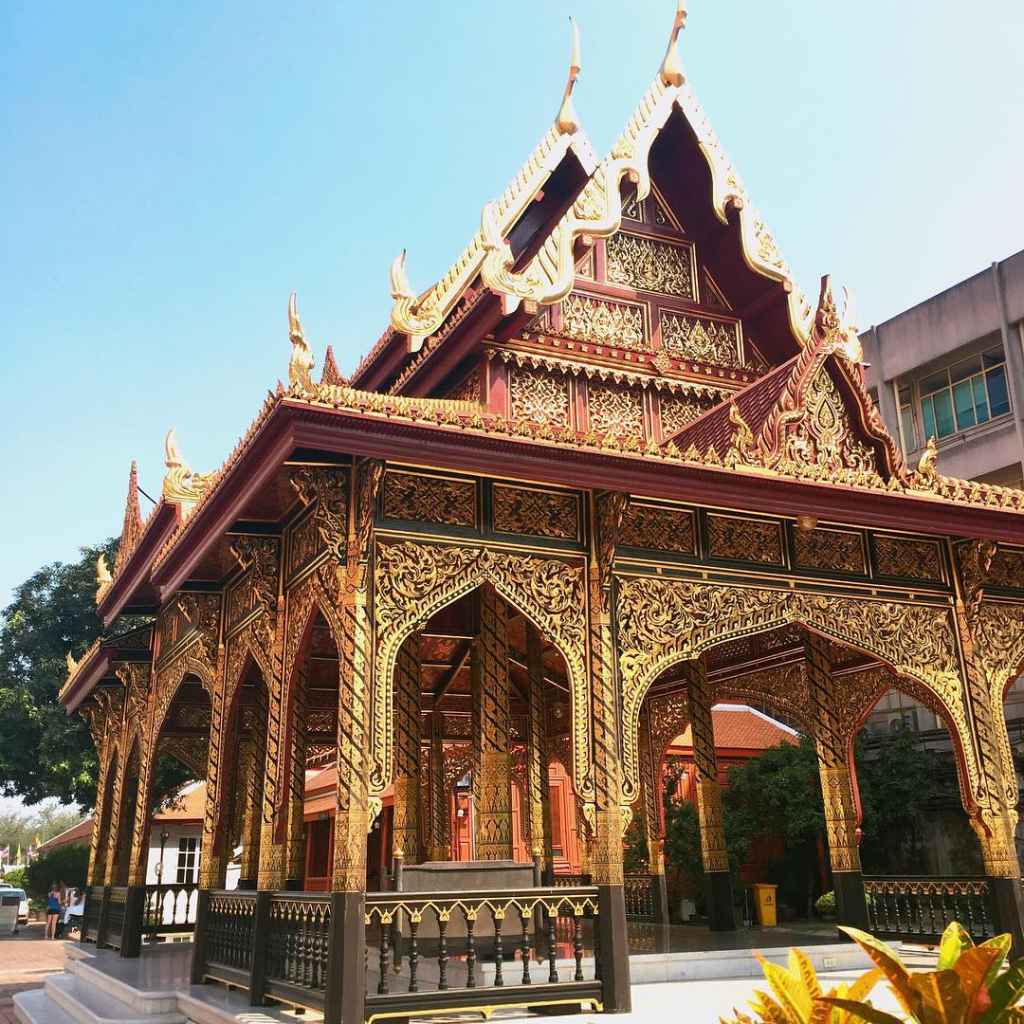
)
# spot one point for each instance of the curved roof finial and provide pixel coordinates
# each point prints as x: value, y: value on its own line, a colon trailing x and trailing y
x: 301, y: 361
x: 567, y: 121
x: 671, y: 70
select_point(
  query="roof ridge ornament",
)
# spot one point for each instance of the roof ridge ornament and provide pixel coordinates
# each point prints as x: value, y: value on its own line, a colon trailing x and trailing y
x: 301, y: 362
x: 182, y: 486
x: 567, y: 121
x: 104, y: 580
x: 671, y: 70
x: 131, y: 529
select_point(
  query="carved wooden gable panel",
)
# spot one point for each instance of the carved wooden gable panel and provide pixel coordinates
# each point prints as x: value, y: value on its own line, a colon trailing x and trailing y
x: 539, y: 397
x: 615, y: 410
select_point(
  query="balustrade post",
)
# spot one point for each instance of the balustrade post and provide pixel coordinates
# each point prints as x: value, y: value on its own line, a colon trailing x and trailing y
x: 345, y: 998
x: 131, y: 933
x: 198, y: 968
x: 101, y: 923
x: 258, y: 970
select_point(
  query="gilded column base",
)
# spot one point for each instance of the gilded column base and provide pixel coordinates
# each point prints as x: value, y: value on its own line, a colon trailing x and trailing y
x: 406, y: 834
x: 712, y: 830
x: 606, y: 847
x: 996, y: 833
x: 492, y: 790
x: 840, y: 818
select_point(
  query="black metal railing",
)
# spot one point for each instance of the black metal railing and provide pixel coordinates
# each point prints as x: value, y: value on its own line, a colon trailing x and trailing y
x: 91, y: 913
x: 919, y: 908
x: 298, y: 947
x: 117, y: 906
x: 428, y: 952
x: 229, y: 931
x: 642, y: 897
x: 169, y: 909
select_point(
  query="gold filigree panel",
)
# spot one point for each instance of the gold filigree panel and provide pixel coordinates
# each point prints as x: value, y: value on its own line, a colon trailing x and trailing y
x: 414, y: 580
x: 303, y: 544
x: 664, y: 622
x: 535, y: 513
x: 651, y: 264
x: 677, y: 412
x: 615, y: 410
x: 658, y: 528
x: 701, y: 338
x: 829, y: 550
x: 539, y: 397
x: 1007, y: 568
x: 908, y: 558
x: 469, y: 389
x: 615, y: 324
x: 429, y: 499
x: 744, y: 540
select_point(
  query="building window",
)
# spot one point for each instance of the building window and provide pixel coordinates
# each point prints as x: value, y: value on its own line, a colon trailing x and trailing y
x: 904, y: 720
x: 188, y: 854
x: 908, y: 421
x: 968, y: 393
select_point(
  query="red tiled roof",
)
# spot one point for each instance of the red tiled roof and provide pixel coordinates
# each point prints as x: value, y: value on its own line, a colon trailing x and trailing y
x: 737, y: 726
x: 76, y: 834
x: 754, y: 402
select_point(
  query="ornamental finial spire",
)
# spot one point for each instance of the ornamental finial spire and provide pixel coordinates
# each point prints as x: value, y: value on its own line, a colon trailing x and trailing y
x: 567, y: 121
x: 301, y: 361
x: 671, y: 70
x: 131, y: 528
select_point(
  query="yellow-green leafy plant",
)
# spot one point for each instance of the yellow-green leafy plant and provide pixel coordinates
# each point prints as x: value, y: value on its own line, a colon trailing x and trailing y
x: 796, y: 995
x: 965, y: 988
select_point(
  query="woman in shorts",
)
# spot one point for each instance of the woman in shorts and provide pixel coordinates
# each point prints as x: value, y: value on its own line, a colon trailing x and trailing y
x: 52, y: 911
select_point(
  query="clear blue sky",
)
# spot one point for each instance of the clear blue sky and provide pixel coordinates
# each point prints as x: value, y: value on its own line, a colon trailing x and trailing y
x: 172, y: 171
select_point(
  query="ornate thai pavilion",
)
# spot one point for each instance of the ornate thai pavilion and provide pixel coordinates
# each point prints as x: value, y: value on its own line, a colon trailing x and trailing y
x: 611, y: 469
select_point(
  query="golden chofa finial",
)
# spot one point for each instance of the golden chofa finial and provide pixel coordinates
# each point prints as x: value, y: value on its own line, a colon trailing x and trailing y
x: 567, y: 122
x: 301, y: 362
x: 71, y: 664
x: 851, y: 346
x: 671, y: 70
x: 181, y: 485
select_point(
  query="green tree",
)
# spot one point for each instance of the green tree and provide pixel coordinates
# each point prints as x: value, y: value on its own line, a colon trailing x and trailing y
x: 45, y: 752
x: 67, y: 864
x: 778, y: 795
x: 46, y: 820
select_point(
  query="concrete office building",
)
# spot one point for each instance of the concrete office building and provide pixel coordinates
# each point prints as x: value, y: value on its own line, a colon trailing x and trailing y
x: 952, y: 368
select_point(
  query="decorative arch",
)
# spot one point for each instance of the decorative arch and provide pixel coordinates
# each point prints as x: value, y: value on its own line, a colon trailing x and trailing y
x: 415, y: 580
x: 664, y: 622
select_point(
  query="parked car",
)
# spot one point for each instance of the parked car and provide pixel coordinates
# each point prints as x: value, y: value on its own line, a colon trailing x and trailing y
x: 22, y: 905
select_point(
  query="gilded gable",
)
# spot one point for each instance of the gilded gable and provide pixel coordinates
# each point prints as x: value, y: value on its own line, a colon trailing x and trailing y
x: 651, y: 264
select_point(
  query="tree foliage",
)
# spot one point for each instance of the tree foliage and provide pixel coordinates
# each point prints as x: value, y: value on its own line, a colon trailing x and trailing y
x: 43, y: 751
x: 778, y: 795
x: 36, y: 824
x: 67, y: 864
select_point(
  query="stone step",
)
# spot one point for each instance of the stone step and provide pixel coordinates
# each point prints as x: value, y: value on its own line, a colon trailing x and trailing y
x: 36, y: 1007
x: 146, y: 1002
x: 88, y: 1004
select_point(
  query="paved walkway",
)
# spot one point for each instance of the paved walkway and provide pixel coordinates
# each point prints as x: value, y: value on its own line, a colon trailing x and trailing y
x: 25, y: 961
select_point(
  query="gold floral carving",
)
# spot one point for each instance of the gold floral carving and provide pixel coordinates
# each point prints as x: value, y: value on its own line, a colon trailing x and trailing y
x: 615, y: 410
x: 830, y: 550
x: 468, y: 390
x: 539, y: 397
x: 658, y: 528
x: 701, y: 338
x: 713, y: 851
x: 415, y: 580
x: 615, y: 324
x: 677, y: 412
x: 431, y: 499
x: 632, y: 208
x: 664, y: 622
x: 907, y: 558
x: 744, y: 540
x: 1006, y: 568
x: 536, y: 513
x: 650, y: 264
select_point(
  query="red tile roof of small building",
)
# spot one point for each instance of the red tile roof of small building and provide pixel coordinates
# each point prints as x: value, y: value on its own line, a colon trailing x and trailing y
x: 740, y: 727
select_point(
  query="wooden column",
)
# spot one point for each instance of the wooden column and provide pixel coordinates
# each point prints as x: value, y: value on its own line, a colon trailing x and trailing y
x: 272, y: 863
x: 606, y: 512
x: 836, y: 786
x: 492, y: 772
x: 538, y: 785
x: 295, y: 843
x: 96, y: 871
x: 345, y: 998
x: 988, y: 637
x: 650, y: 804
x: 250, y: 788
x: 406, y: 836
x: 439, y: 841
x: 718, y: 880
x: 220, y: 775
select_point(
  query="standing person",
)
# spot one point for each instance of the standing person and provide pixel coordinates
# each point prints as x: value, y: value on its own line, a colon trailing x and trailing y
x: 52, y: 911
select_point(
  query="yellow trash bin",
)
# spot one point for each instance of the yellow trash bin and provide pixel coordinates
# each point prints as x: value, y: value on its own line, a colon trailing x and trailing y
x: 764, y: 898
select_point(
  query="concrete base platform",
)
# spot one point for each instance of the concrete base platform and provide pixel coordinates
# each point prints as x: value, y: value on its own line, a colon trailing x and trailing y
x: 98, y: 987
